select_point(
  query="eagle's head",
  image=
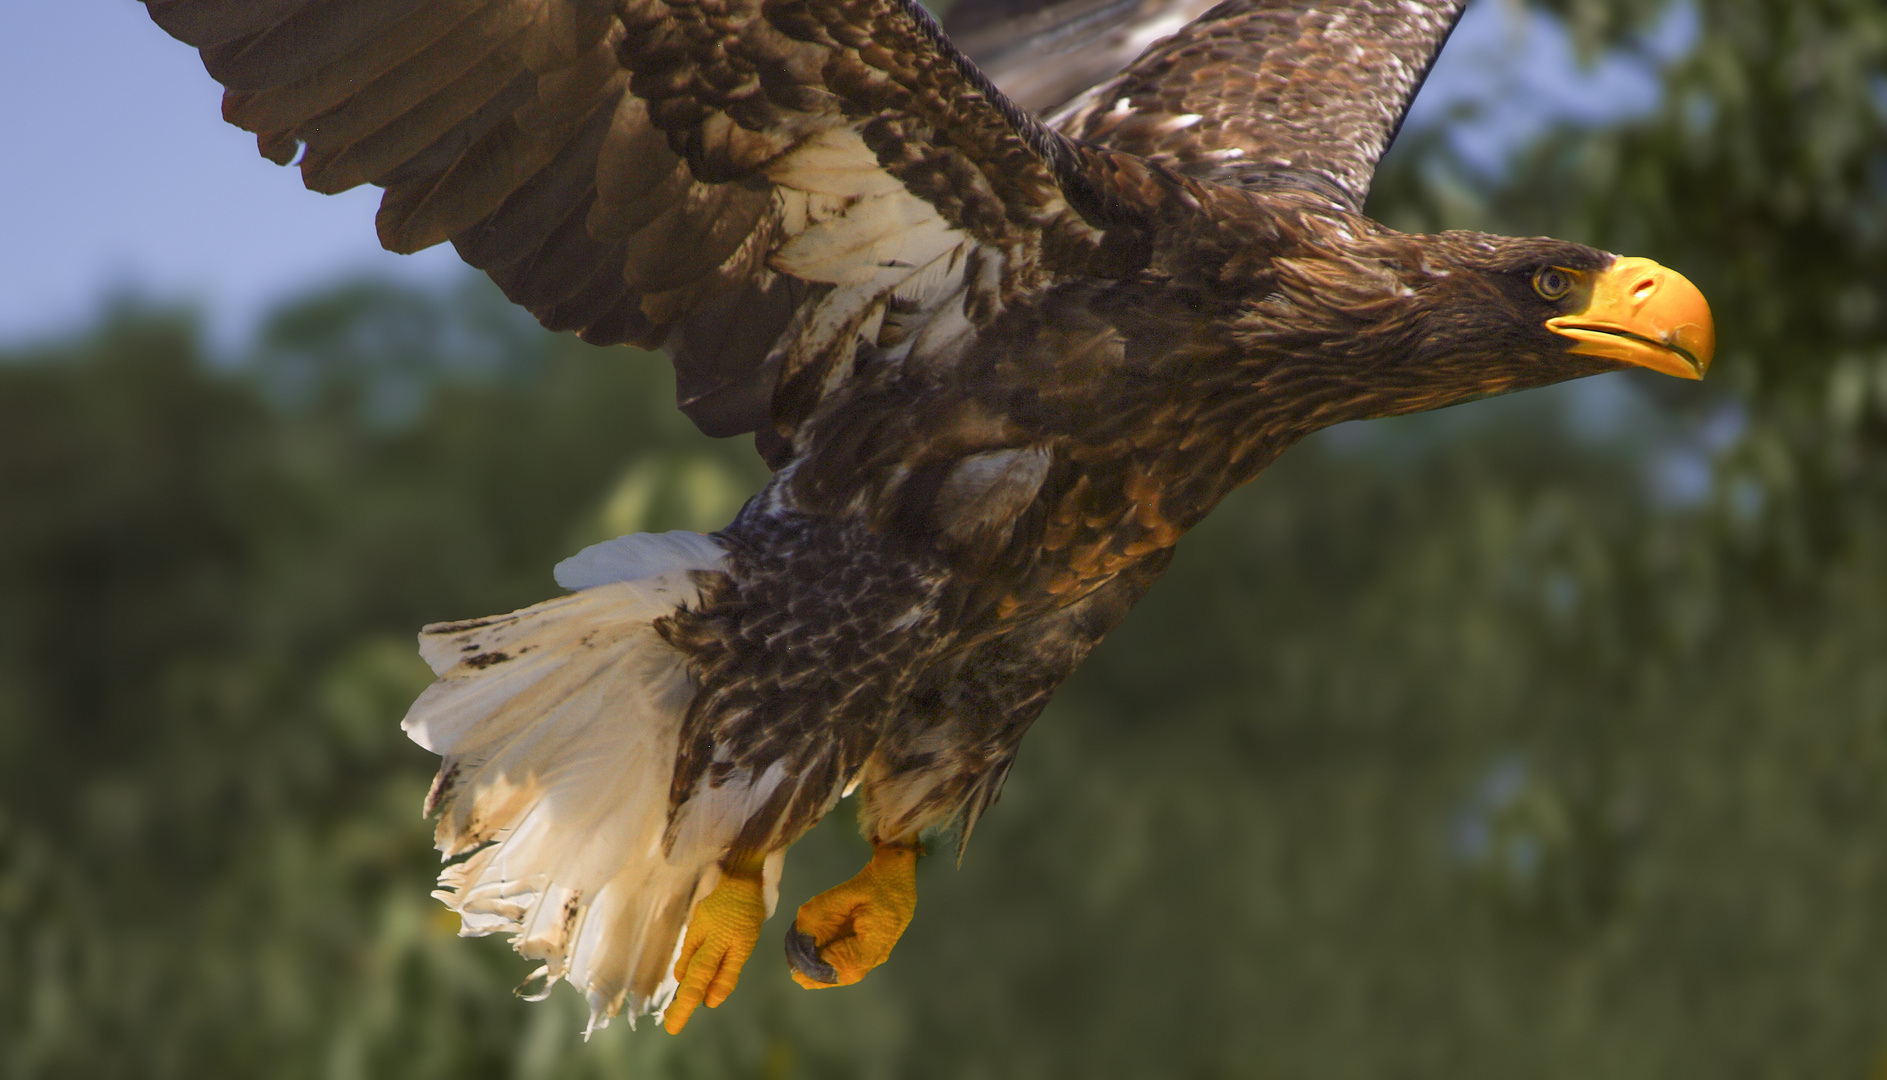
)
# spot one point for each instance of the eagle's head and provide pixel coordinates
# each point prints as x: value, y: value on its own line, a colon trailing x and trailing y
x: 1533, y: 308
x: 1384, y: 323
x: 1484, y: 315
x: 1359, y: 321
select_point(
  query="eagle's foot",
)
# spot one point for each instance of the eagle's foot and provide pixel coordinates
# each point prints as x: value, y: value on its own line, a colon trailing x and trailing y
x: 721, y: 935
x: 849, y: 929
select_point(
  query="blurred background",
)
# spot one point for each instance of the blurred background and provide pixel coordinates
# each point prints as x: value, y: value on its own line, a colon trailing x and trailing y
x: 1545, y: 737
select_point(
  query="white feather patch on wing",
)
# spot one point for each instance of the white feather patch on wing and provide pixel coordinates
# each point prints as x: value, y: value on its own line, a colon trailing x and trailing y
x: 879, y: 240
x: 895, y: 260
x: 937, y: 279
x: 558, y: 725
x: 855, y: 224
x: 835, y: 161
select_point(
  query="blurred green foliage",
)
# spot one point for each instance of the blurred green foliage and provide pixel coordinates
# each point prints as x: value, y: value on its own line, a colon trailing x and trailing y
x: 1544, y: 738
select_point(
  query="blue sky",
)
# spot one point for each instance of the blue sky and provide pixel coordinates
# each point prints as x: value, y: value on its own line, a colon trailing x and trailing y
x: 120, y: 176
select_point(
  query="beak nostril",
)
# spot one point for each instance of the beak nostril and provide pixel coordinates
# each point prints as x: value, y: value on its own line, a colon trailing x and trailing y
x: 1644, y: 288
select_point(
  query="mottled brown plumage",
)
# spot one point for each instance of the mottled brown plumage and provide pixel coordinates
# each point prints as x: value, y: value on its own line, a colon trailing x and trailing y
x: 1315, y: 97
x: 1000, y: 364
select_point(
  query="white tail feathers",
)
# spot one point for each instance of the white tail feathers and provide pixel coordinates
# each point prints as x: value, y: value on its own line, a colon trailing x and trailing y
x: 638, y: 557
x: 558, y: 725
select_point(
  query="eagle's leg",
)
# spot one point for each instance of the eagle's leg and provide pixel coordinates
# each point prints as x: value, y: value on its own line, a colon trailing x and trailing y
x: 721, y: 935
x: 849, y: 929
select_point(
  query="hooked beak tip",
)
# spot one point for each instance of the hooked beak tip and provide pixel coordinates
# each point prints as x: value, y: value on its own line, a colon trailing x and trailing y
x: 1645, y: 315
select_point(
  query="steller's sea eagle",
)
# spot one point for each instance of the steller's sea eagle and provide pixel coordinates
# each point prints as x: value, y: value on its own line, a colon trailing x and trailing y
x: 1001, y: 350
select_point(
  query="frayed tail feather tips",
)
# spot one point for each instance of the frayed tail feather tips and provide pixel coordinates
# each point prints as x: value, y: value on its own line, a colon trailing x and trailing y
x: 558, y: 726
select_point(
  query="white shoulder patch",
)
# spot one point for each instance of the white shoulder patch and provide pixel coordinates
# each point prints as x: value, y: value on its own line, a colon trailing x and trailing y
x: 639, y: 556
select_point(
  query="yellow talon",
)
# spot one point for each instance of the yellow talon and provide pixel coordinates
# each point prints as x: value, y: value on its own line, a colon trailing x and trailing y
x: 721, y: 935
x: 849, y: 929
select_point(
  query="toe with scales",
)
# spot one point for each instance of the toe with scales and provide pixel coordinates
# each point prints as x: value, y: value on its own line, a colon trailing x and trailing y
x: 849, y: 929
x: 721, y: 935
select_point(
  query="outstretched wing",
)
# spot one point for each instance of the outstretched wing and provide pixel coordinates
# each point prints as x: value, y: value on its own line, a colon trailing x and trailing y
x: 758, y: 185
x: 1265, y: 93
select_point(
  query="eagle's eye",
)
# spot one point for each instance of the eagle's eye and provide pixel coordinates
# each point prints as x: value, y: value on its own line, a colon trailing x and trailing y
x: 1553, y: 282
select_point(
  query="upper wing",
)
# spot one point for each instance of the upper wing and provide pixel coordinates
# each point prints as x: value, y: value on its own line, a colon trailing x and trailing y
x: 1269, y: 92
x: 1043, y: 53
x: 758, y: 185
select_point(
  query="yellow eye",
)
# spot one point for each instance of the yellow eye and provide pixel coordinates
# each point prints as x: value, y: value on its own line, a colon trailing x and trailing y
x: 1554, y: 282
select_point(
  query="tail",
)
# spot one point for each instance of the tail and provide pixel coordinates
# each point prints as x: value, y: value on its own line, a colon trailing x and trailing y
x: 558, y: 725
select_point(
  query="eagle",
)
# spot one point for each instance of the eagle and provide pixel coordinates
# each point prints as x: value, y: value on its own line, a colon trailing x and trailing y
x: 1006, y: 318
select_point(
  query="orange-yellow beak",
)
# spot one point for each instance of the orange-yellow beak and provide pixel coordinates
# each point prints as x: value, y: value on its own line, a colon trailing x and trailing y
x: 1644, y: 314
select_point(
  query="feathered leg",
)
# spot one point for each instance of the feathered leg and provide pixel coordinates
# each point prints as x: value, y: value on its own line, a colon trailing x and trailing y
x: 944, y: 761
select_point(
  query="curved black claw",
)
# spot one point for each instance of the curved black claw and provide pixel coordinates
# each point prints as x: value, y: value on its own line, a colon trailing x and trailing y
x: 802, y: 952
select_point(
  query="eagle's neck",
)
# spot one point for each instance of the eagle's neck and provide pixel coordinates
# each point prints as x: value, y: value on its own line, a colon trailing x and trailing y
x: 1354, y: 321
x: 1344, y: 320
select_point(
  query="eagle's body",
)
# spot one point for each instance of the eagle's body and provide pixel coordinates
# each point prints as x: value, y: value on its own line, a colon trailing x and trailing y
x: 956, y: 537
x: 999, y: 362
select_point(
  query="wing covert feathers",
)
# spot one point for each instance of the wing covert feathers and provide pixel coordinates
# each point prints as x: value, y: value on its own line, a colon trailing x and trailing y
x: 1272, y: 92
x: 558, y: 728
